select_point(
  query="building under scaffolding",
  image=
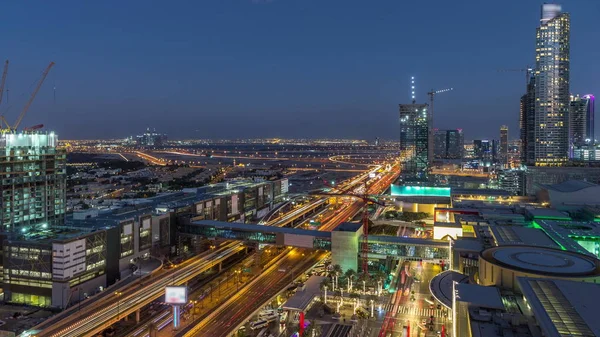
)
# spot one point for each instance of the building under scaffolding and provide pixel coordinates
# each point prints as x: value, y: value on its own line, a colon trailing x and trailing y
x: 33, y: 172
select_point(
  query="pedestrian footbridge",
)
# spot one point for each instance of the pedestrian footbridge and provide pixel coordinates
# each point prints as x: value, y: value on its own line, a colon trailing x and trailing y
x: 344, y: 241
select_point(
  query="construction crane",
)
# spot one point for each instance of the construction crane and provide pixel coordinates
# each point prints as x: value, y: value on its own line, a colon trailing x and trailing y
x: 367, y: 200
x: 4, y: 73
x: 528, y: 70
x: 35, y: 91
x: 432, y: 94
x: 33, y: 128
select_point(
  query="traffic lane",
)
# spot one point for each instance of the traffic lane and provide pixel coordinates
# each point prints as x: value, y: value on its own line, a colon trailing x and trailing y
x: 257, y: 294
x: 254, y: 298
x: 77, y: 326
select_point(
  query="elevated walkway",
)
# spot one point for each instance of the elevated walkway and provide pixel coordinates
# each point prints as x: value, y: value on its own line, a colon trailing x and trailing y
x: 380, y: 247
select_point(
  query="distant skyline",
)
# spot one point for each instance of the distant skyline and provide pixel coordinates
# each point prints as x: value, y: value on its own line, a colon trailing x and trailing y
x: 279, y: 68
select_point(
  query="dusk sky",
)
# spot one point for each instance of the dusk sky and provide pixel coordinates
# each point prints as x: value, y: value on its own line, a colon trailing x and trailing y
x: 278, y: 68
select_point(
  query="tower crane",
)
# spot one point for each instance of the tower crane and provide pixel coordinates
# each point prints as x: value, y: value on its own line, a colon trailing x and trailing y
x: 528, y: 70
x: 35, y: 91
x: 432, y: 94
x: 4, y: 73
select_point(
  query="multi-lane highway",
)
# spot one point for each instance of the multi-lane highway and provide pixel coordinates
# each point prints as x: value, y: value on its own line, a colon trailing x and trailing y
x: 234, y: 312
x: 109, y: 309
x: 102, y: 314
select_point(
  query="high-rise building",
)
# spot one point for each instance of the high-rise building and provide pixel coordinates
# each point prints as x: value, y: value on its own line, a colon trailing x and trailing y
x: 552, y: 87
x: 581, y: 120
x: 151, y: 138
x: 512, y: 181
x: 33, y: 181
x: 416, y: 152
x: 504, y: 145
x: 449, y: 144
x: 439, y: 143
x: 527, y: 123
x: 482, y: 149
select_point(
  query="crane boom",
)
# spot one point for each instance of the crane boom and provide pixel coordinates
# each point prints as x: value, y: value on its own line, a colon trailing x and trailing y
x: 37, y: 88
x: 4, y: 73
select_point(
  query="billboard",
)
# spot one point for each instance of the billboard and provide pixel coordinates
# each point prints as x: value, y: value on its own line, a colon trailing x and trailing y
x: 176, y: 295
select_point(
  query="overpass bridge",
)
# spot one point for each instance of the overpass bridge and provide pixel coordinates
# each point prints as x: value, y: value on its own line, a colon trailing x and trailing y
x: 343, y: 242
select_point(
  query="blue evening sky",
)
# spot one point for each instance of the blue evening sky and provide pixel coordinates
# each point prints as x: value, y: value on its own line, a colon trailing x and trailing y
x: 278, y: 68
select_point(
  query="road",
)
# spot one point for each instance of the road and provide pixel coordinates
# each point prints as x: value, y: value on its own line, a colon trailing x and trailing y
x: 414, y: 310
x: 249, y: 299
x: 348, y: 212
x: 101, y: 314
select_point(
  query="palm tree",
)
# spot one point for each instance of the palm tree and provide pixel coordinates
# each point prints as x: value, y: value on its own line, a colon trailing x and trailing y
x: 350, y: 274
x: 337, y: 271
x: 325, y: 284
x: 365, y: 278
x: 380, y: 276
x: 372, y: 299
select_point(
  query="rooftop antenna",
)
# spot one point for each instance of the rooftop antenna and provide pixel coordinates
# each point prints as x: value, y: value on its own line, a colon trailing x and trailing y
x: 412, y: 89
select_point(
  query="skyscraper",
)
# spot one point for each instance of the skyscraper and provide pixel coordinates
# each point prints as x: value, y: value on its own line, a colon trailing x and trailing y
x: 33, y: 181
x: 581, y: 120
x: 416, y: 153
x: 449, y: 144
x: 439, y: 143
x: 504, y: 145
x: 527, y: 123
x: 552, y: 87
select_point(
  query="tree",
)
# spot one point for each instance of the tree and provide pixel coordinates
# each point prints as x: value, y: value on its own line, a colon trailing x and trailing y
x: 350, y: 274
x: 325, y: 284
x: 337, y: 271
x: 365, y: 279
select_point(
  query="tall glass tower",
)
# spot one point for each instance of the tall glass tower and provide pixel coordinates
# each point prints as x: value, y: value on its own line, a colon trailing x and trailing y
x: 552, y: 96
x: 416, y: 152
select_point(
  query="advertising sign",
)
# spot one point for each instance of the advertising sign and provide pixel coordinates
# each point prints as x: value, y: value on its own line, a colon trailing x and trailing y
x: 176, y: 295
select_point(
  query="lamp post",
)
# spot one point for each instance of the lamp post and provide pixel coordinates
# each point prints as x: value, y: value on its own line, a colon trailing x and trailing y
x: 237, y: 281
x: 118, y: 293
x: 450, y: 265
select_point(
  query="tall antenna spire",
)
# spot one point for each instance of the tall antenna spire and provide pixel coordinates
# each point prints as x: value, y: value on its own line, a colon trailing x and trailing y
x: 412, y: 89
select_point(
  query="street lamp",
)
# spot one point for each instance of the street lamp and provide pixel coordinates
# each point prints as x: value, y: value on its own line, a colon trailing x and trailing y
x: 118, y: 293
x: 194, y: 309
x: 237, y: 281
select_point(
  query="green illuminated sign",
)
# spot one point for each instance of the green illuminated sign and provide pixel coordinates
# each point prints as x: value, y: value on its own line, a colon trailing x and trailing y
x: 420, y: 191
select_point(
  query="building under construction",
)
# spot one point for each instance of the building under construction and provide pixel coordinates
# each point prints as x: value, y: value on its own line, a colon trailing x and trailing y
x: 33, y: 183
x: 415, y: 140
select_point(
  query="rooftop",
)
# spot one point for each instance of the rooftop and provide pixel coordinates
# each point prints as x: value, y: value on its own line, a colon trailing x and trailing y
x: 441, y: 286
x: 543, y: 261
x: 547, y: 213
x: 570, y: 186
x: 301, y: 299
x: 563, y: 308
x: 480, y: 296
x: 570, y: 235
x: 517, y: 235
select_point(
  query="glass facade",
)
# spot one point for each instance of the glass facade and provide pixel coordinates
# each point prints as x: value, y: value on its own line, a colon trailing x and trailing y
x: 33, y: 181
x: 416, y: 139
x: 420, y: 191
x: 552, y: 88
